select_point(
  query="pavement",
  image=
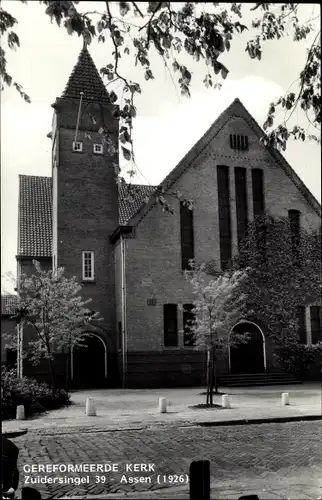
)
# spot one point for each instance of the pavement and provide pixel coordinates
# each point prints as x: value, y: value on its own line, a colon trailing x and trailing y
x: 136, y: 409
x: 280, y: 461
x: 272, y: 460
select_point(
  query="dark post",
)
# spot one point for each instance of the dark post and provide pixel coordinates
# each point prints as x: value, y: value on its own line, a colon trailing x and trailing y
x: 249, y: 497
x: 199, y: 476
x: 30, y: 494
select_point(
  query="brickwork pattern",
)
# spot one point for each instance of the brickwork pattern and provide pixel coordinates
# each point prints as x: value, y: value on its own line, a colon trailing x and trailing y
x: 240, y: 456
x: 158, y: 265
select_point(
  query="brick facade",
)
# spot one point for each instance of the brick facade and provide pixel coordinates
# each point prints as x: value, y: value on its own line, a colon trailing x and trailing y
x: 153, y: 266
x: 137, y: 249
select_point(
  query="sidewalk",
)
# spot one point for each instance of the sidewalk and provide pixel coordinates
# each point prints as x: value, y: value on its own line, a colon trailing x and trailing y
x: 136, y: 409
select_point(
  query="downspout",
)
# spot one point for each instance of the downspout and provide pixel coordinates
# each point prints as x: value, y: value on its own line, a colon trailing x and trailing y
x: 124, y: 326
x: 78, y: 115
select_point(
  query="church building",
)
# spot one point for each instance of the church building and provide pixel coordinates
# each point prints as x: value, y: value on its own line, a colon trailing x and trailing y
x: 130, y: 256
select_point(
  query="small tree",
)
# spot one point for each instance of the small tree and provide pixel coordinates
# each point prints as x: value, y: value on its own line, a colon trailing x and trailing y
x: 52, y: 304
x: 219, y: 303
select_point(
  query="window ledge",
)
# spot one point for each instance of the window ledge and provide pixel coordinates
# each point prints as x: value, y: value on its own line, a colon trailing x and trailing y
x: 89, y: 281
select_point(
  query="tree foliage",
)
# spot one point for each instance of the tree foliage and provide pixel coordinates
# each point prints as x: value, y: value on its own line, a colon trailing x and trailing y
x: 284, y: 273
x: 7, y: 22
x: 218, y: 304
x: 203, y: 32
x: 52, y: 305
x: 298, y: 358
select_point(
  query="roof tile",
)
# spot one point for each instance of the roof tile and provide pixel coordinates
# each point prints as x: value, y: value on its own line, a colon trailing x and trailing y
x: 85, y: 78
x: 35, y: 212
x: 131, y: 199
x: 35, y: 216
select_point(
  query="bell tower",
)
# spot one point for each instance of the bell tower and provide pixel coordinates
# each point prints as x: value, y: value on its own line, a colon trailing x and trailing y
x: 85, y: 191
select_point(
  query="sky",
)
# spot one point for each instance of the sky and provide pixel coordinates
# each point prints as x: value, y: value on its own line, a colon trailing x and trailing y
x: 167, y: 125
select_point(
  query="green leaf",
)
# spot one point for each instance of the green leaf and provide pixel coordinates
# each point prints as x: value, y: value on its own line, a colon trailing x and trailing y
x: 113, y: 97
x: 126, y: 153
x: 148, y: 75
x: 69, y: 26
x: 224, y: 72
x: 124, y: 8
x: 87, y: 37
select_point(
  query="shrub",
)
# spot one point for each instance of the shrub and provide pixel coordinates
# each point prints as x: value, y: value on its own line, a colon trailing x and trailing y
x: 34, y: 396
x: 298, y: 358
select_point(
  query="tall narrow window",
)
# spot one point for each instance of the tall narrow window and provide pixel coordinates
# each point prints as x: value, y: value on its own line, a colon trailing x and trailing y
x: 187, y: 237
x: 224, y: 215
x: 315, y: 313
x: 188, y: 319
x: 241, y: 203
x: 88, y: 266
x: 258, y: 192
x: 294, y: 218
x: 170, y: 323
x: 301, y: 324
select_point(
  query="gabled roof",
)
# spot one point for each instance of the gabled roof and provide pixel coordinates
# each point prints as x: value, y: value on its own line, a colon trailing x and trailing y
x: 34, y: 216
x: 236, y: 109
x: 35, y: 212
x: 85, y: 78
x: 131, y: 199
x: 9, y: 305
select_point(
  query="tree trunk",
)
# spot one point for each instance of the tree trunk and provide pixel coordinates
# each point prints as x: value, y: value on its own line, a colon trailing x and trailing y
x: 211, y: 383
x: 208, y: 378
x: 67, y: 372
x: 211, y: 378
x: 215, y: 375
x: 52, y: 374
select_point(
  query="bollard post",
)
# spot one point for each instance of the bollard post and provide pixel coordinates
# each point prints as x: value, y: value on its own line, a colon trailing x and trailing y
x: 162, y: 405
x: 90, y: 407
x: 225, y: 403
x: 285, y: 399
x: 20, y: 414
x: 199, y: 479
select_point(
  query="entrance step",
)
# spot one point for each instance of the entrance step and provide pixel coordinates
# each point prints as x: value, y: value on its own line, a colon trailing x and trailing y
x: 257, y: 379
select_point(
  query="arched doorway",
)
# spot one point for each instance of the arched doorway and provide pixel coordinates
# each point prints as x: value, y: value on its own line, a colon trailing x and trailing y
x: 249, y: 357
x: 89, y: 364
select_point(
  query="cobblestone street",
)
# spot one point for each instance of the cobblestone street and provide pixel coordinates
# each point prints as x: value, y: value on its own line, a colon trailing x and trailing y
x: 284, y: 460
